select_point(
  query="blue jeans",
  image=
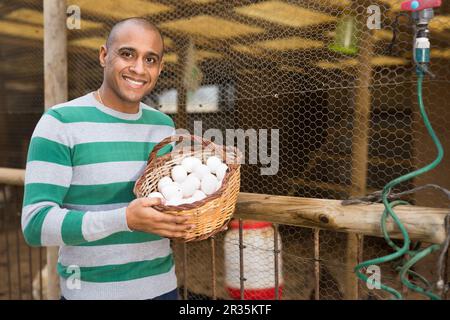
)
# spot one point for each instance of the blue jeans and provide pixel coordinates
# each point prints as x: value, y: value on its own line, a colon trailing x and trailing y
x: 171, y: 295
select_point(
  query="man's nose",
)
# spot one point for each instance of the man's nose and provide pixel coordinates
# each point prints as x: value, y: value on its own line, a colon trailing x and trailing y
x: 138, y: 66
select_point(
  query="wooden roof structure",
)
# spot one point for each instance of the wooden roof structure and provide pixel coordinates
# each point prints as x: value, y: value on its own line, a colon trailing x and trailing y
x: 250, y: 31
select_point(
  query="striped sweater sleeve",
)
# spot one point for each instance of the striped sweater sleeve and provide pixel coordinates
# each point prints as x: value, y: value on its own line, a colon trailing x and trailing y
x: 48, y: 177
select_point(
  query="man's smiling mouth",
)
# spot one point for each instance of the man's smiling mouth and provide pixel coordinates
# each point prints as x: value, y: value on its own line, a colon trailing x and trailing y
x: 134, y: 82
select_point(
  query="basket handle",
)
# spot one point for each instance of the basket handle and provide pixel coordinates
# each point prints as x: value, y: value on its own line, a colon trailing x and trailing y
x: 177, y: 138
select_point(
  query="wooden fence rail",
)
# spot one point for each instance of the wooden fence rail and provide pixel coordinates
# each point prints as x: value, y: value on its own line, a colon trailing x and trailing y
x: 12, y: 177
x: 423, y: 223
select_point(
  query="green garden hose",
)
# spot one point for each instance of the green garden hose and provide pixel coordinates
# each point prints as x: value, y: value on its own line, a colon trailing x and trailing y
x: 415, y: 254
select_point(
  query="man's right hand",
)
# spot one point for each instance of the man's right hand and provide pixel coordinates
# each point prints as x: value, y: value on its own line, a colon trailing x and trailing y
x: 142, y: 217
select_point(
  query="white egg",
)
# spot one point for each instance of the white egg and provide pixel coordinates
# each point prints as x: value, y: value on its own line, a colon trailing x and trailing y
x: 197, y: 161
x: 174, y: 202
x: 198, y: 195
x: 219, y: 184
x: 201, y: 170
x: 221, y: 170
x: 172, y: 192
x: 163, y: 182
x: 188, y: 187
x: 194, y: 180
x: 189, y: 200
x: 155, y: 195
x: 212, y: 163
x: 179, y: 173
x: 186, y: 163
x: 209, y: 184
x: 189, y: 163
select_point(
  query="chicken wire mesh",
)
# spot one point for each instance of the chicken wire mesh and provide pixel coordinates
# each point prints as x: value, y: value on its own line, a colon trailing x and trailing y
x: 347, y: 118
x: 21, y: 85
x: 22, y: 101
x: 19, y: 264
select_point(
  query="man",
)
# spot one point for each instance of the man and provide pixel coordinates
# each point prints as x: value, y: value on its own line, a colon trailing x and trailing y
x: 83, y: 160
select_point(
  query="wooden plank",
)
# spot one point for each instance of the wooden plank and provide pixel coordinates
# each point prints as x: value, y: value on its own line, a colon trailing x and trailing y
x: 424, y: 224
x: 13, y: 177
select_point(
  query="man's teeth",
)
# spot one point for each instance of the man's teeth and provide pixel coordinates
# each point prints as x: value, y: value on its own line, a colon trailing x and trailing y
x: 138, y: 83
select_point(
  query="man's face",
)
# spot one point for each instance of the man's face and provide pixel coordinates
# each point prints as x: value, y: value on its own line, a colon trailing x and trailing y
x: 133, y: 62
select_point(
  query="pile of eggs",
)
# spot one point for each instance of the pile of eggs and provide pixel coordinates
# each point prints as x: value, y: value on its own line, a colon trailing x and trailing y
x: 191, y: 181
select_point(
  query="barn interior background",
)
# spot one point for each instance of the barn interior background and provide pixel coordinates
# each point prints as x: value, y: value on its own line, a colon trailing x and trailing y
x: 347, y: 117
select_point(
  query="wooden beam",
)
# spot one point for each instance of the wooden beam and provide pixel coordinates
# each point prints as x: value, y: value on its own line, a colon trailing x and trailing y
x: 10, y: 42
x: 13, y: 177
x: 424, y: 224
x: 55, y: 82
x: 9, y: 7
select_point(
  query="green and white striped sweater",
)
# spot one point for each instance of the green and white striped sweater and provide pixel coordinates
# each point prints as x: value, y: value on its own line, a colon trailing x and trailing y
x: 82, y: 163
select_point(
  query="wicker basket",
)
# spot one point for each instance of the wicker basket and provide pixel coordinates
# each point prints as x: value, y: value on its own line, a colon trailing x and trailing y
x: 209, y: 214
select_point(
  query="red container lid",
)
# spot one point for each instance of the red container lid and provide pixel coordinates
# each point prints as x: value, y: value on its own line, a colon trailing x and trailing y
x: 249, y: 224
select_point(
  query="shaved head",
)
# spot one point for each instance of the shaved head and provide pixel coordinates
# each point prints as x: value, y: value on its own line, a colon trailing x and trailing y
x: 141, y: 22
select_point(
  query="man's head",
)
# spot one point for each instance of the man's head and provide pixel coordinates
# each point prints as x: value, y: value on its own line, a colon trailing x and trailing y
x: 132, y: 59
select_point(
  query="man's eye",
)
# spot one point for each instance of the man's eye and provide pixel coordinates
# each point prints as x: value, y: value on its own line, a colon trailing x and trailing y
x: 126, y: 54
x: 151, y: 60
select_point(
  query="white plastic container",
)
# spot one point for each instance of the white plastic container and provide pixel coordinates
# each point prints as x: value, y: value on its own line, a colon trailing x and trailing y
x: 259, y: 261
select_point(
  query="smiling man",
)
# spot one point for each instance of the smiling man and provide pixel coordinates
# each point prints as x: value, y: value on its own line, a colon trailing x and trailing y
x: 132, y: 61
x: 83, y: 160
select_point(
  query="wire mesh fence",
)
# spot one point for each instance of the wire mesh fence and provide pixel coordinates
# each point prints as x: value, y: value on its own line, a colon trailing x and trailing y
x: 298, y: 273
x: 341, y: 95
x: 21, y: 72
x: 19, y: 263
x: 344, y: 119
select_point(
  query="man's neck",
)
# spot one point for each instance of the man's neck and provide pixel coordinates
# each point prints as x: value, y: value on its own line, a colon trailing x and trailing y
x: 109, y: 99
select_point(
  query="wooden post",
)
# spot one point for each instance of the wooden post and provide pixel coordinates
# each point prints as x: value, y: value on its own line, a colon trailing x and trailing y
x: 182, y: 116
x: 55, y: 82
x: 3, y: 111
x: 317, y: 263
x: 360, y: 148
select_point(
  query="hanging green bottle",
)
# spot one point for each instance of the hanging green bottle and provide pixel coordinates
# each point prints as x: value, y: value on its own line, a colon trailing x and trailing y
x: 346, y: 36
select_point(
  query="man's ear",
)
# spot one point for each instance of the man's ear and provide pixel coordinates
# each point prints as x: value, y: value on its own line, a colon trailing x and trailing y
x: 102, y: 55
x: 161, y: 67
